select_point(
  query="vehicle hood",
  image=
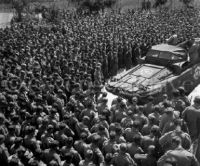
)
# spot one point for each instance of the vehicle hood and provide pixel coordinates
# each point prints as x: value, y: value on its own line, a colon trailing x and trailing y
x: 142, y: 78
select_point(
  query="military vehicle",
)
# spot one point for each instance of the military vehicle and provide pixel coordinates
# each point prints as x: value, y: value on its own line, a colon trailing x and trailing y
x: 164, y: 68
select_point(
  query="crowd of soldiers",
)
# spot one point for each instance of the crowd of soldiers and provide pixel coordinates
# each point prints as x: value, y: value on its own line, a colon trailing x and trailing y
x: 52, y: 109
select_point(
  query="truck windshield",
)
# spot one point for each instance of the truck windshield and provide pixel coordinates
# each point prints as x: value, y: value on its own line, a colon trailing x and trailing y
x: 158, y: 55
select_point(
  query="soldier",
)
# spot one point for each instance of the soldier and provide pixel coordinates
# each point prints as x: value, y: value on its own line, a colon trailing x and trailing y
x: 166, y: 139
x: 183, y: 96
x: 3, y: 151
x: 177, y: 103
x: 123, y: 158
x: 181, y: 156
x: 105, y: 67
x: 191, y: 115
x: 173, y: 40
x: 98, y: 76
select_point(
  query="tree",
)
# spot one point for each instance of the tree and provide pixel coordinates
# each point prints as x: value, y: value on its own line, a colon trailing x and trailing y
x: 54, y: 13
x: 186, y: 2
x: 95, y: 5
x: 19, y: 6
x: 5, y: 1
x: 159, y: 3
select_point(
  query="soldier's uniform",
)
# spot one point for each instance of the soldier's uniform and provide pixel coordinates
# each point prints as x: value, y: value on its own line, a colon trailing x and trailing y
x: 181, y: 156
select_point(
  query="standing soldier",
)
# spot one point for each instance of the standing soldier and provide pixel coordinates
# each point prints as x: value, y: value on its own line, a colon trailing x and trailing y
x: 105, y: 67
x: 98, y: 78
x: 128, y: 57
x: 120, y: 55
x: 191, y: 115
x: 115, y: 63
x: 179, y: 155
